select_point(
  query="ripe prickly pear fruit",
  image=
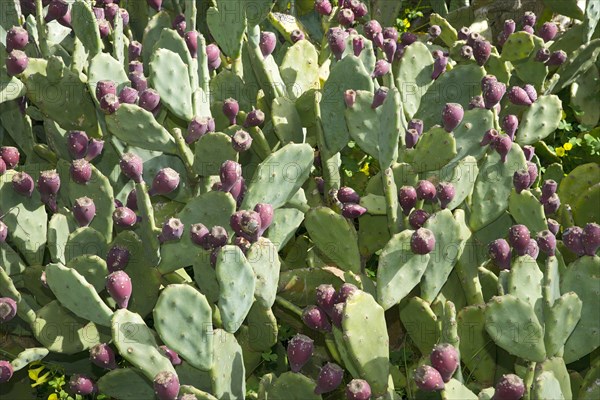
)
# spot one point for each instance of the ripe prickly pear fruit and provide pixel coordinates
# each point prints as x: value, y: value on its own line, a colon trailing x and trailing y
x: 531, y: 92
x: 172, y: 229
x: 493, y: 93
x: 16, y: 62
x: 426, y: 191
x: 217, y: 237
x: 353, y: 211
x: 199, y: 235
x: 170, y: 354
x: 330, y: 377
x: 509, y: 27
x: 510, y: 124
x: 16, y: 38
x: 254, y: 118
x: 131, y: 200
x: 265, y: 212
x: 542, y: 55
x: 3, y: 232
x: 267, y: 43
x: 528, y: 29
x: 6, y: 371
x: 81, y: 385
x: 197, y: 128
x: 230, y: 173
x: 444, y: 358
x: 238, y: 190
x: 348, y: 195
x: 136, y: 66
x: 84, y: 211
x: 241, y: 141
x: 358, y: 44
x: 349, y: 98
x: 499, y: 252
x: 213, y: 54
x: 155, y: 4
x: 452, y: 115
x: 246, y: 224
x: 481, y: 51
x: 521, y: 180
x: 191, y: 41
x: 8, y: 309
x: 77, y: 144
x: 149, y: 100
x: 502, y: 144
x: 519, y: 237
x: 337, y: 314
x: 296, y: 35
x: 346, y: 17
x: 551, y: 204
x: 489, y: 137
x: 466, y: 52
x: 134, y: 50
x: 591, y: 238
x: 118, y: 285
x: 23, y: 184
x: 105, y: 87
x: 48, y: 183
x: 529, y: 18
x: 372, y: 28
x: 358, y: 389
x: 166, y: 386
x: 464, y: 33
x: 548, y: 31
x: 553, y: 226
x: 428, y: 379
x: 103, y: 356
x: 417, y: 125
x: 382, y: 67
x: 548, y: 189
x: 532, y: 249
x: 422, y: 241
x: 95, y: 148
x: 439, y: 65
x: 390, y: 32
x: 476, y: 102
x: 417, y: 218
x: 117, y: 258
x: 315, y: 318
x: 299, y: 350
x: 529, y: 152
x: 379, y: 97
x: 445, y: 193
x: 132, y: 166
x: 510, y: 387
x: 179, y: 24
x: 573, y: 239
x: 408, y: 38
x: 473, y: 37
x: 434, y: 31
x: 165, y: 182
x: 138, y: 81
x: 336, y: 38
x: 518, y: 96
x: 231, y: 108
x: 2, y: 167
x: 323, y: 7
x: 104, y: 28
x: 556, y: 58
x: 411, y: 137
x: 345, y: 291
x: 326, y: 297
x: 128, y: 95
x: 546, y: 242
x: 124, y: 217
x: 407, y: 197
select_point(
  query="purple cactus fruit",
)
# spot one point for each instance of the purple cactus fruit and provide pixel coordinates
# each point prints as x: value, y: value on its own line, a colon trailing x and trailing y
x: 348, y: 195
x: 337, y: 314
x: 330, y: 377
x: 358, y: 44
x: 408, y: 38
x: 128, y: 95
x: 110, y: 12
x: 16, y: 38
x: 179, y: 24
x: 434, y: 31
x: 417, y: 125
x: 510, y: 123
x: 242, y: 243
x: 509, y: 27
x: 425, y: 191
x: 556, y: 58
x: 95, y: 148
x: 199, y: 235
x: 422, y: 241
x: 464, y: 33
x: 124, y: 217
x: 134, y: 50
x: 2, y: 166
x: 378, y: 40
x: 254, y: 118
x: 166, y: 385
x: 103, y: 356
x: 521, y: 180
x: 138, y: 81
x: 265, y: 212
x: 481, y: 51
x: 542, y: 55
x: 238, y: 190
x: 407, y: 197
x: 326, y: 297
x: 519, y: 238
x: 191, y: 41
x: 473, y: 37
x: 529, y: 18
x: 49, y: 182
x: 81, y: 171
x: 136, y: 66
x: 358, y: 389
x: 149, y: 100
x: 346, y: 17
x: 213, y: 54
x: 445, y: 193
x: 349, y: 98
x: 509, y: 387
x: 155, y: 4
x: 336, y: 38
x: 548, y: 31
x: 229, y: 173
x: 267, y: 43
x: 8, y: 309
x: 528, y: 29
x: 104, y: 28
x: 109, y: 103
x: 379, y: 96
x: 345, y: 291
x: 546, y: 242
x: 16, y: 62
x: 476, y: 102
x: 56, y: 10
x: 417, y: 218
x: 493, y: 93
x: 390, y: 32
x: 165, y: 182
x: 372, y: 28
x: 315, y: 318
x: 217, y: 237
x: 197, y: 128
x: 411, y: 137
x: 23, y: 184
x: 81, y: 385
x: 172, y: 229
x: 499, y: 252
x: 439, y: 66
x: 551, y: 204
x: 77, y: 144
x: 246, y: 224
x: 502, y: 144
x: 488, y: 80
x: 84, y: 211
x: 573, y: 239
x: 3, y: 232
x: 452, y: 115
x: 6, y: 371
x: 105, y: 87
x: 170, y: 354
x: 529, y: 152
x: 382, y: 67
x: 531, y: 92
x: 358, y: 8
x: 591, y: 238
x: 323, y: 7
x: 124, y: 16
x: 518, y: 96
x: 132, y: 166
x: 117, y: 258
x: 444, y: 358
x: 231, y: 109
x: 299, y: 350
x: 296, y: 35
x: 553, y: 226
x: 466, y: 52
x: 118, y: 203
x: 548, y: 189
x: 428, y: 379
x: 533, y: 172
x: 118, y: 285
x: 241, y: 141
x: 532, y: 249
x: 353, y: 211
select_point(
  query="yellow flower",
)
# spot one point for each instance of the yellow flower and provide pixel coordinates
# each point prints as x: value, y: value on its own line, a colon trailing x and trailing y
x: 567, y: 146
x: 560, y: 151
x: 34, y: 375
x: 406, y: 23
x: 365, y: 169
x: 53, y: 396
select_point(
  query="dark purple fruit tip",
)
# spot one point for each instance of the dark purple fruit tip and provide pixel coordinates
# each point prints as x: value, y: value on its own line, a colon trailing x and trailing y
x: 572, y: 237
x: 171, y: 230
x: 132, y: 166
x: 411, y: 137
x: 81, y: 171
x: 326, y: 297
x: 155, y: 4
x: 422, y: 241
x: 481, y: 51
x: 553, y: 226
x: 265, y: 212
x: 95, y: 148
x: 417, y: 218
x: 254, y: 118
x: 382, y: 67
x: 323, y: 7
x: 103, y: 356
x: 23, y: 184
x: 493, y: 93
x: 345, y: 291
x: 548, y: 31
x: 439, y: 66
x: 502, y: 144
x: 546, y: 242
x: 170, y: 354
x: 518, y: 96
x: 16, y: 62
x: 445, y: 193
x: 353, y: 211
x: 434, y: 31
x: 166, y: 385
x: 16, y: 38
x: 509, y: 387
x: 452, y: 115
x: 591, y: 238
x: 129, y: 95
x: 407, y: 197
x: 426, y: 191
x: 379, y: 96
x: 229, y: 174
x: 124, y: 217
x: 81, y: 385
x: 296, y: 35
x: 84, y: 211
x: 358, y: 389
x: 348, y: 195
x: 510, y: 124
x: 49, y: 182
x: 217, y: 237
x: 8, y: 309
x: 444, y: 358
x: 358, y: 45
x: 10, y: 155
x: 521, y: 180
x: 529, y: 18
x: 330, y: 377
x: 371, y: 28
x: 165, y: 182
x: 556, y: 58
x: 117, y: 258
x: 109, y: 103
x: 118, y: 285
x: 149, y: 100
x: 241, y: 141
x: 519, y: 238
x: 199, y: 235
x: 299, y: 350
x: 105, y: 87
x: 346, y: 17
x: 231, y: 109
x: 316, y: 318
x: 267, y: 43
x: 134, y: 50
x: 428, y: 379
x: 533, y: 249
x: 466, y: 52
x: 551, y: 204
x: 77, y: 144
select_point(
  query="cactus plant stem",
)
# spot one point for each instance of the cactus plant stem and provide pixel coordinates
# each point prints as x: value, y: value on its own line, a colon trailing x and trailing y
x: 496, y: 123
x: 330, y: 343
x: 176, y: 7
x: 41, y: 28
x: 186, y: 155
x: 260, y: 146
x: 283, y: 303
x: 529, y: 375
x: 391, y: 200
x: 190, y: 14
x: 7, y: 288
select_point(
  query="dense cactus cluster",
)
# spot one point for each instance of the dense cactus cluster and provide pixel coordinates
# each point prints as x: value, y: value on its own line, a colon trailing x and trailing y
x: 270, y: 200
